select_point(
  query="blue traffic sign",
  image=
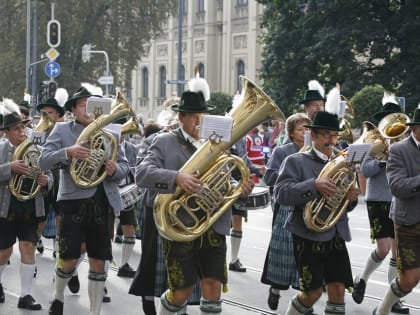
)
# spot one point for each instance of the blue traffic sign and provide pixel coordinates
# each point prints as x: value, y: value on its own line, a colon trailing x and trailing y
x: 52, y: 69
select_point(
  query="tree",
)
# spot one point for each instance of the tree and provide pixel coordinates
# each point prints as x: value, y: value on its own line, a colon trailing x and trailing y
x: 221, y: 101
x: 366, y: 102
x: 353, y: 42
x: 122, y: 28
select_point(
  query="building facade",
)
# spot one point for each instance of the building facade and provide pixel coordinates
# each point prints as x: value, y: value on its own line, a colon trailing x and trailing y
x: 221, y: 37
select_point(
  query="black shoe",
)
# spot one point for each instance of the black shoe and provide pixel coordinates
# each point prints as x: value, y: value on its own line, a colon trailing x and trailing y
x: 237, y: 266
x: 126, y: 271
x: 28, y: 302
x: 399, y: 308
x: 35, y: 271
x: 273, y: 300
x: 106, y: 298
x: 74, y: 284
x: 54, y: 254
x: 40, y: 246
x: 1, y: 294
x: 359, y: 287
x: 56, y: 308
x: 118, y: 239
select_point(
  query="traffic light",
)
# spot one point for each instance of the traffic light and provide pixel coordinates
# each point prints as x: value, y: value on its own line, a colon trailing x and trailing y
x: 53, y: 33
x: 52, y: 88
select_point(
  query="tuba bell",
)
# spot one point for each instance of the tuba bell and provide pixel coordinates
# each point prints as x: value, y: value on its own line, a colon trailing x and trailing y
x: 181, y: 217
x: 394, y: 126
x: 25, y: 186
x: 323, y: 213
x: 103, y: 145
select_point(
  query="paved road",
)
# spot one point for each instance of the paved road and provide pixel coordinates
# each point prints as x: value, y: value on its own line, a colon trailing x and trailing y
x: 246, y: 294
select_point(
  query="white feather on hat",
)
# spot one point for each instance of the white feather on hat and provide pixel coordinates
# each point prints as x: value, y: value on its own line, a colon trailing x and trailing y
x: 61, y: 96
x: 389, y: 98
x: 198, y: 84
x: 9, y: 107
x: 332, y: 104
x: 27, y: 97
x: 315, y: 85
x: 93, y: 89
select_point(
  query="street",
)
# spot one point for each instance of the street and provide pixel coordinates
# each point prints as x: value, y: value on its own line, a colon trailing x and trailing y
x: 246, y: 294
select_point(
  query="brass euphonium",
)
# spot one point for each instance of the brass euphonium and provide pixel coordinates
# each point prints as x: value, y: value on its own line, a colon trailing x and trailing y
x: 394, y: 126
x: 181, y: 217
x: 372, y: 135
x: 131, y: 127
x: 103, y: 145
x: 323, y: 213
x: 25, y: 186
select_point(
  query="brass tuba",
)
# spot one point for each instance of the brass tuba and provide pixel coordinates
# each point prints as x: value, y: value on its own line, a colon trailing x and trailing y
x: 323, y: 213
x: 25, y: 186
x: 103, y: 145
x: 394, y: 126
x: 181, y: 217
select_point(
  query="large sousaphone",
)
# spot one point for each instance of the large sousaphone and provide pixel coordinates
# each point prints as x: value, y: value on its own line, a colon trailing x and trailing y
x: 181, y: 217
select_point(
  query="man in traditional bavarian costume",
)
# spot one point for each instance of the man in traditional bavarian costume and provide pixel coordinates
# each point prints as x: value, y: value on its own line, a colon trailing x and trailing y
x: 321, y: 257
x: 204, y: 257
x: 84, y: 211
x: 378, y: 202
x: 18, y: 219
x: 403, y: 175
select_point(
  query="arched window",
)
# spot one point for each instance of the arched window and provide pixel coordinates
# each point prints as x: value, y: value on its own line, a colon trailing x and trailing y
x: 145, y: 82
x: 201, y: 70
x: 162, y: 81
x: 240, y: 70
x: 201, y: 6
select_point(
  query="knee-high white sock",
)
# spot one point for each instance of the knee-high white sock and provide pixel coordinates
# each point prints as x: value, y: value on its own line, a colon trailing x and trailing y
x: 166, y: 307
x: 296, y: 307
x: 210, y: 307
x: 127, y: 249
x: 372, y: 264
x: 61, y: 280
x: 332, y: 308
x: 26, y: 278
x: 107, y: 264
x: 235, y: 244
x: 79, y: 261
x: 392, y: 270
x: 392, y: 296
x: 96, y: 285
x: 2, y: 267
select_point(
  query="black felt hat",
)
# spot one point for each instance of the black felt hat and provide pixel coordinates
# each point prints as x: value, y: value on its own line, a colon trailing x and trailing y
x: 312, y: 95
x: 416, y: 118
x: 52, y: 102
x: 387, y: 109
x: 325, y: 120
x: 25, y: 104
x: 192, y: 102
x: 80, y: 93
x: 10, y: 120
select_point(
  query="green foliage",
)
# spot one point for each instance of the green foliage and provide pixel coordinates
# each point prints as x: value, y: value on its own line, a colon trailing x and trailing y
x: 221, y: 101
x: 353, y: 42
x: 366, y: 102
x: 119, y: 27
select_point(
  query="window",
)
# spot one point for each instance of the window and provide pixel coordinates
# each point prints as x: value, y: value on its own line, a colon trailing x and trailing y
x: 184, y: 4
x: 241, y: 3
x: 201, y: 70
x: 145, y: 82
x: 240, y: 70
x: 162, y: 81
x: 201, y: 6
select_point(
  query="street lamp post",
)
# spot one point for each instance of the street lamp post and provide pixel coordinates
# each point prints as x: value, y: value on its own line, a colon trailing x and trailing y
x: 86, y: 51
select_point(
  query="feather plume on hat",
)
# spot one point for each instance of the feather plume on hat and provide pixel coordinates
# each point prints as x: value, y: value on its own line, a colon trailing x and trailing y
x: 93, y: 89
x: 389, y: 98
x: 198, y: 84
x: 332, y: 104
x: 315, y: 85
x: 61, y: 96
x: 27, y: 97
x: 9, y: 107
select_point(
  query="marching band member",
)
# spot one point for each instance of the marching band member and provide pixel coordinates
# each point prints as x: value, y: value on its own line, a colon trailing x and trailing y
x: 18, y: 219
x: 403, y: 176
x: 378, y: 201
x: 279, y: 267
x: 320, y: 256
x: 205, y: 257
x: 84, y: 211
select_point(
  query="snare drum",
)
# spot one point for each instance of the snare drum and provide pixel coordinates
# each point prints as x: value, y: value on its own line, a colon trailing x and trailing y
x: 258, y: 199
x: 130, y: 195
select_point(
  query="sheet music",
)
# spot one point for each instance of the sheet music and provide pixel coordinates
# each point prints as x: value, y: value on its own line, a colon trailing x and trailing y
x: 216, y: 126
x: 357, y: 152
x: 98, y: 105
x: 37, y: 137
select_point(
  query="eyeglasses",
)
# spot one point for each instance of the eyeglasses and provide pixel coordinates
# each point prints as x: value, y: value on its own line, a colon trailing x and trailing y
x: 328, y: 135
